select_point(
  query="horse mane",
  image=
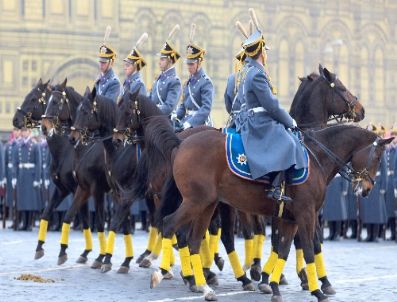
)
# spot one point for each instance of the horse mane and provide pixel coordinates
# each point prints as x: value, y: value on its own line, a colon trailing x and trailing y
x: 147, y: 107
x: 106, y: 113
x: 75, y: 99
x: 299, y: 103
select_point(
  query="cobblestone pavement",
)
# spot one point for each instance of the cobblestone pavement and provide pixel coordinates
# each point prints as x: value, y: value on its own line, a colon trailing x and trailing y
x: 358, y: 271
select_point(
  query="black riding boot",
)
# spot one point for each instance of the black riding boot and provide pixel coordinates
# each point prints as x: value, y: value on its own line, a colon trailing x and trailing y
x: 354, y: 226
x: 332, y: 230
x: 29, y: 221
x: 275, y: 191
x: 393, y: 229
x: 143, y: 220
x: 370, y: 233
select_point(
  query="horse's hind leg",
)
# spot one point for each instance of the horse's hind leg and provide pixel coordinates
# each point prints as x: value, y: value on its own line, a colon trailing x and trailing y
x: 80, y: 197
x: 300, y: 263
x: 215, y: 235
x: 326, y: 286
x: 99, y: 196
x: 259, y: 229
x: 56, y: 198
x: 87, y: 233
x: 129, y: 251
x: 248, y: 234
x: 228, y: 217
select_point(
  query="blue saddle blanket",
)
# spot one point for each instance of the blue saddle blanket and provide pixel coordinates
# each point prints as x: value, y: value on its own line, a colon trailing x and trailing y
x: 239, y: 163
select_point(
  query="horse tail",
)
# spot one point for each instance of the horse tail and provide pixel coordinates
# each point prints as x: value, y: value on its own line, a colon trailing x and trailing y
x: 171, y: 199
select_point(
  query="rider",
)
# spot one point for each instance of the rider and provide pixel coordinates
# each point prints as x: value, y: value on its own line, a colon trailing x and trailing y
x: 166, y: 89
x: 198, y: 91
x: 107, y: 84
x: 133, y: 63
x: 270, y: 145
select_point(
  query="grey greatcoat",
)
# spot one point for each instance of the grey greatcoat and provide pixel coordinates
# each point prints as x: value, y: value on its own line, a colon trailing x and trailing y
x: 335, y: 207
x: 373, y: 207
x: 198, y: 94
x: 133, y: 83
x: 166, y: 91
x: 351, y: 204
x: 108, y: 85
x: 28, y: 162
x: 10, y: 170
x: 269, y: 146
x: 391, y: 155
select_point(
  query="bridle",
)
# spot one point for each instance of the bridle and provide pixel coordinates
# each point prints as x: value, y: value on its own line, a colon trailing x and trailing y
x: 131, y: 135
x: 87, y: 136
x: 61, y: 127
x: 28, y: 120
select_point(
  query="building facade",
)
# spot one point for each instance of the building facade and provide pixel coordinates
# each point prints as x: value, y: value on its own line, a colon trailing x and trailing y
x: 54, y: 39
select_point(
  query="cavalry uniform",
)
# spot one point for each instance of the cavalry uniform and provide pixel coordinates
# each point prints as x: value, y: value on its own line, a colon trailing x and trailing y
x: 10, y: 172
x: 351, y: 199
x: 108, y: 84
x: 166, y: 89
x: 335, y: 206
x: 391, y: 157
x: 198, y: 93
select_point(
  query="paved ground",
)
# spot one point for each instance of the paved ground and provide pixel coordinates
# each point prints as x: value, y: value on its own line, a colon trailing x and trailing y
x: 358, y: 271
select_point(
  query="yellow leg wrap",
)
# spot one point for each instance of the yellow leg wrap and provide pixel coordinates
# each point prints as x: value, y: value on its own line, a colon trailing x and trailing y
x: 110, y: 242
x: 198, y: 270
x: 65, y: 233
x: 278, y: 269
x: 216, y: 251
x: 205, y: 254
x: 184, y: 254
x: 43, y: 229
x: 249, y: 251
x: 213, y: 243
x: 235, y: 263
x: 88, y: 239
x: 129, y: 250
x: 258, y: 248
x: 300, y: 261
x: 157, y: 248
x: 311, y: 276
x: 152, y: 239
x: 102, y: 243
x: 172, y: 258
x: 174, y: 240
x: 167, y: 250
x: 320, y: 265
x: 270, y: 263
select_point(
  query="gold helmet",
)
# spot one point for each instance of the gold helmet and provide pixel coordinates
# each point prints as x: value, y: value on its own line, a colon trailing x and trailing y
x: 168, y: 51
x: 255, y: 43
x: 194, y: 53
x: 135, y: 57
x: 106, y: 52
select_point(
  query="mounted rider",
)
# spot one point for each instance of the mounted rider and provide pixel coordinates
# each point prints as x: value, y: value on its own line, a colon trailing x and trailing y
x: 133, y: 64
x: 167, y: 88
x: 266, y: 128
x: 107, y: 84
x: 198, y: 91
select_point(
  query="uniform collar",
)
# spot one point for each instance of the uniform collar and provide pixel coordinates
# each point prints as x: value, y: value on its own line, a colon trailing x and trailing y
x: 169, y: 72
x: 256, y: 64
x: 132, y: 77
x: 197, y: 75
x: 108, y: 74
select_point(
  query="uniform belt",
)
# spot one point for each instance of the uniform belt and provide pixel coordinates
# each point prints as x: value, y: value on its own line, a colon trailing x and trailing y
x: 257, y: 110
x: 26, y: 166
x: 10, y: 165
x: 191, y: 112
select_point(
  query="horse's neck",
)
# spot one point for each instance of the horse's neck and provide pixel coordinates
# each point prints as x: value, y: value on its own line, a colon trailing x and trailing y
x: 341, y: 146
x: 59, y: 147
x: 74, y: 101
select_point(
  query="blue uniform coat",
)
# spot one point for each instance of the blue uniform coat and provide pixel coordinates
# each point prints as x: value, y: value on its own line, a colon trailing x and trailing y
x: 335, y: 207
x: 391, y: 155
x: 108, y: 85
x: 134, y: 82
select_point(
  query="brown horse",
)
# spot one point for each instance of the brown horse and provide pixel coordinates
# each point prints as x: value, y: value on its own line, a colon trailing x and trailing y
x: 202, y: 178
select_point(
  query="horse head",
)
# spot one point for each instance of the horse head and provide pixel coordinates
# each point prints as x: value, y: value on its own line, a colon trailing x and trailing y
x: 29, y: 114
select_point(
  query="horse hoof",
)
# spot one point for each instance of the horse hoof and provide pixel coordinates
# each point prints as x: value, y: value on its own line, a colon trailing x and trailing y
x: 145, y: 263
x: 265, y: 288
x: 328, y: 290
x: 277, y: 299
x: 169, y: 275
x: 211, y: 296
x: 255, y: 272
x: 212, y: 280
x: 249, y: 287
x: 283, y: 280
x: 193, y: 288
x: 96, y: 264
x: 123, y: 270
x: 39, y: 254
x: 62, y: 259
x: 142, y: 256
x: 220, y: 263
x: 82, y: 260
x: 106, y: 267
x: 155, y: 279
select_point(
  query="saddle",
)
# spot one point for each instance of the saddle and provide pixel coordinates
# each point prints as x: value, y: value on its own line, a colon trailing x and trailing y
x: 238, y: 162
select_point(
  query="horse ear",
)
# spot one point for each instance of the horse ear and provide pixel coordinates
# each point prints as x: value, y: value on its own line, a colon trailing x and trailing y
x: 40, y: 82
x: 320, y: 69
x: 63, y: 85
x: 87, y: 92
x: 386, y: 141
x: 48, y: 82
x: 328, y: 75
x: 302, y: 78
x: 93, y: 93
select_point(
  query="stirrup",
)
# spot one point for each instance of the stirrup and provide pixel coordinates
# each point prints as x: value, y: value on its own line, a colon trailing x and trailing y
x: 275, y: 193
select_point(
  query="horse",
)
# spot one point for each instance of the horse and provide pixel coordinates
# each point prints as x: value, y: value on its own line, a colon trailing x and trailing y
x: 120, y: 162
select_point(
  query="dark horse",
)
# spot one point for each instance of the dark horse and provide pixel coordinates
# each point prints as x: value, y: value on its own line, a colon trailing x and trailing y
x: 203, y: 153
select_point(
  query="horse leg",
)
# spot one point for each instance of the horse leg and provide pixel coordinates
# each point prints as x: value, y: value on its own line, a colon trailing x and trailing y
x: 214, y: 234
x: 56, y: 198
x: 326, y: 286
x: 207, y: 259
x: 87, y: 233
x: 151, y: 202
x: 286, y: 232
x: 228, y: 218
x: 271, y: 261
x: 129, y: 250
x: 80, y: 197
x: 259, y: 238
x: 306, y: 223
x: 99, y: 197
x: 184, y: 255
x: 248, y: 234
x: 300, y: 263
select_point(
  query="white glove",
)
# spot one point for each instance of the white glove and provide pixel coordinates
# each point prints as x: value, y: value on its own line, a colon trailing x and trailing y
x: 382, y: 191
x: 36, y: 184
x: 186, y: 125
x: 395, y: 193
x: 46, y: 183
x: 294, y: 124
x: 173, y: 115
x: 344, y: 193
x: 14, y: 183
